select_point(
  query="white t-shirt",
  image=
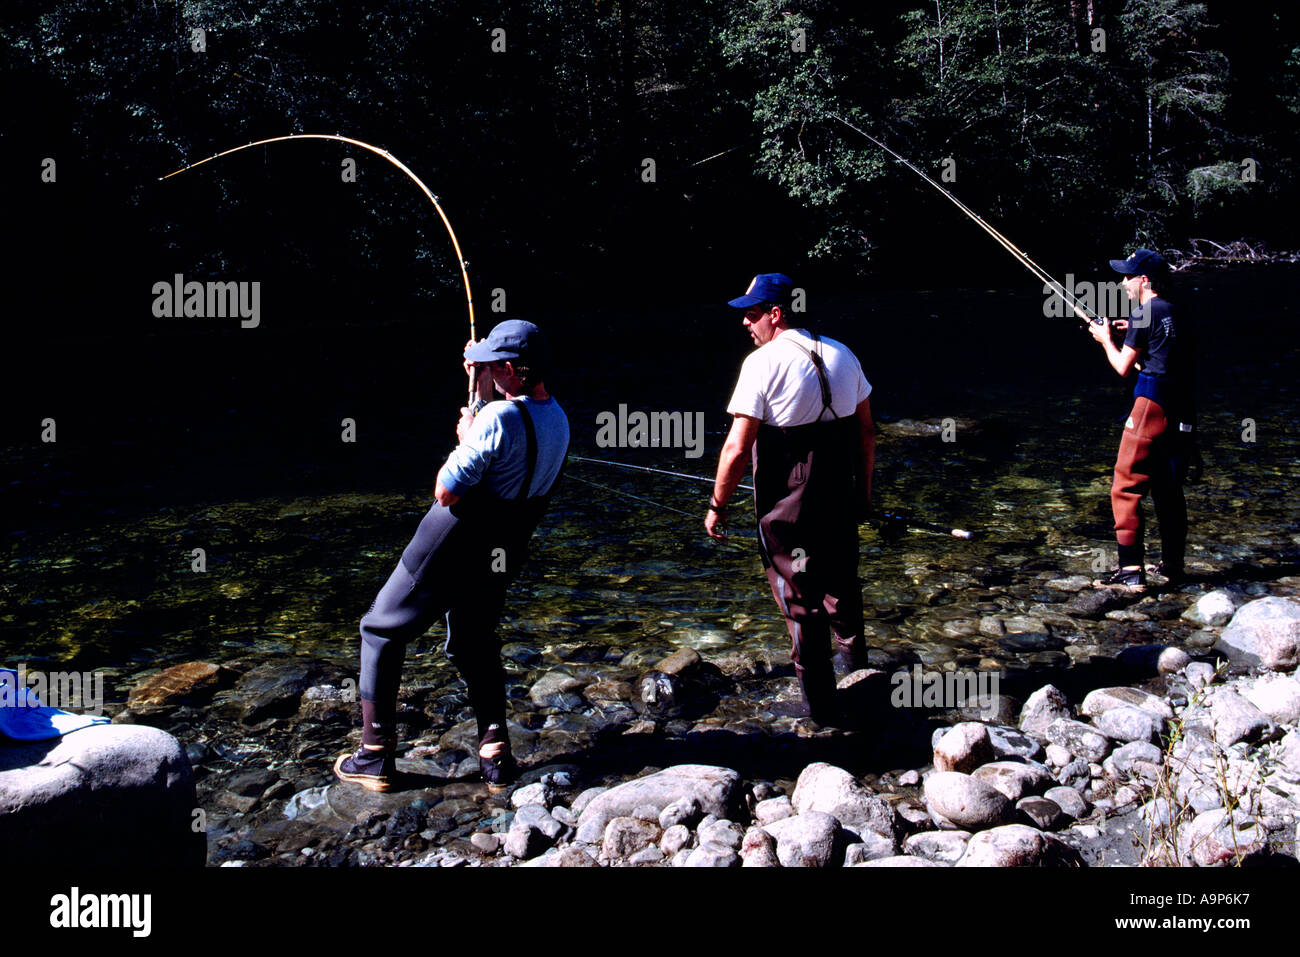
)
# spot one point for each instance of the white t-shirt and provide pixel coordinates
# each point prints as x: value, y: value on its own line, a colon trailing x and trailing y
x: 778, y: 383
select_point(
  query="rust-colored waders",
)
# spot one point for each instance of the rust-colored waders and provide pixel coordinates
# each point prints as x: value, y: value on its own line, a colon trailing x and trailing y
x: 1148, y: 462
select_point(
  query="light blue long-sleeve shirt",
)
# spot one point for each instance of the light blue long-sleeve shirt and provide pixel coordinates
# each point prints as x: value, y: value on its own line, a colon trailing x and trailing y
x: 495, y: 451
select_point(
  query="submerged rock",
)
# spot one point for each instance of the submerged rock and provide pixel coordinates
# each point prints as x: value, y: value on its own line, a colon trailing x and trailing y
x: 190, y: 683
x: 275, y: 689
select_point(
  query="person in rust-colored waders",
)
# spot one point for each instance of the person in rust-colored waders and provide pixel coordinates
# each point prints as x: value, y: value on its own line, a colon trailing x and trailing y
x: 1158, y: 443
x: 801, y: 410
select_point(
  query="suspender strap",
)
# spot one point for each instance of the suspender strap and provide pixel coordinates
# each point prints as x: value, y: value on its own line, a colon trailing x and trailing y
x: 815, y: 357
x: 531, y: 434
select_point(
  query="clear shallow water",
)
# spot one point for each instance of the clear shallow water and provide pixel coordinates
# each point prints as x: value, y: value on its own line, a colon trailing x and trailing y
x: 98, y: 564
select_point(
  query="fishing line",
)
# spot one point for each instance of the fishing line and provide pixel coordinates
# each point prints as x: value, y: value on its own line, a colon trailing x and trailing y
x: 638, y: 498
x: 914, y: 523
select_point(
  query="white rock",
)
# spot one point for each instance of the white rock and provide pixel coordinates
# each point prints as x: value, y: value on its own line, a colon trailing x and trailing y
x: 1069, y: 800
x: 1058, y: 756
x: 831, y: 790
x: 624, y: 836
x: 1277, y: 697
x: 674, y: 839
x: 1016, y: 845
x: 1213, y: 839
x: 1102, y: 700
x: 773, y: 809
x: 1260, y: 630
x: 759, y: 849
x: 1214, y: 608
x: 946, y: 847
x: 722, y: 832
x: 963, y: 748
x: 902, y: 860
x: 806, y: 840
x: 715, y: 789
x: 1044, y: 706
x: 1078, y: 738
x: 872, y: 847
x: 965, y: 802
x: 536, y: 793
x: 111, y: 795
x: 1172, y: 661
x: 1126, y: 723
x: 1015, y: 779
x: 713, y: 855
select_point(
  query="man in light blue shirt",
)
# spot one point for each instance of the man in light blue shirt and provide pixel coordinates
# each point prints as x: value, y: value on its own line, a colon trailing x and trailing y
x: 491, y: 493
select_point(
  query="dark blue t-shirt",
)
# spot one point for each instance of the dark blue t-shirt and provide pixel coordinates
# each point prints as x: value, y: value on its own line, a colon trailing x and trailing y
x: 1152, y: 332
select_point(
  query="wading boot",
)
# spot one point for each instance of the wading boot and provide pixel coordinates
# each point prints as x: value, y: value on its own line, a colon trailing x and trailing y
x: 1132, y: 580
x: 375, y: 769
x: 495, y: 761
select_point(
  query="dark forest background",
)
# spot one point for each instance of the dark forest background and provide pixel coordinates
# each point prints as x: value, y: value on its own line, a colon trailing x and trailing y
x: 1078, y: 144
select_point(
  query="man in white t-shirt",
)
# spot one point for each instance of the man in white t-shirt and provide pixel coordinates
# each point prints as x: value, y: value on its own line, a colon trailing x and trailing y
x: 801, y: 409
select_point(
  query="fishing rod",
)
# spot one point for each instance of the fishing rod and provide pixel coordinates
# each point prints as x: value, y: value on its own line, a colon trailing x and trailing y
x: 646, y: 501
x: 1080, y: 310
x: 894, y: 517
x: 378, y: 151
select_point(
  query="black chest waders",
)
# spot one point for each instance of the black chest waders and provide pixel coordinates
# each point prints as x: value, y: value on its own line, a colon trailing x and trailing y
x: 807, y: 489
x: 458, y: 565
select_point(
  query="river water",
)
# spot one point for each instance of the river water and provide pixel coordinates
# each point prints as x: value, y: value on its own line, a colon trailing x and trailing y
x: 299, y: 533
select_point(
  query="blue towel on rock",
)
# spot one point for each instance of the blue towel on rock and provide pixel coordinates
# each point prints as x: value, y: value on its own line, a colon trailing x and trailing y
x: 24, y: 718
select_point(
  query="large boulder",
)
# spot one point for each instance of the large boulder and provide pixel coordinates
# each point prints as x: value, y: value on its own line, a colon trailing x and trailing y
x: 105, y: 796
x: 1277, y: 697
x: 1102, y: 700
x: 831, y: 790
x: 966, y: 802
x: 716, y: 791
x: 1266, y: 628
x: 1215, y: 838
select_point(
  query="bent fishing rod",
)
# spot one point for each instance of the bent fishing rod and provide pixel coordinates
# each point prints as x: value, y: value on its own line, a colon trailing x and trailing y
x: 378, y: 151
x: 1080, y: 310
x: 894, y: 517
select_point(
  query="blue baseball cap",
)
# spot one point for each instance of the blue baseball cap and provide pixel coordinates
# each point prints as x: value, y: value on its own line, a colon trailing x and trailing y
x: 1143, y: 262
x: 765, y: 287
x: 512, y: 339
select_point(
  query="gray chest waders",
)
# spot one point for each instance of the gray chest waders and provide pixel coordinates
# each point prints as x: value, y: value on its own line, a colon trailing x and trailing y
x: 806, y: 492
x: 458, y: 564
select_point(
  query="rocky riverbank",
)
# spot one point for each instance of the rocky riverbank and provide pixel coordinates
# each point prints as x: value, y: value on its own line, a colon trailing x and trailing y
x: 1105, y: 745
